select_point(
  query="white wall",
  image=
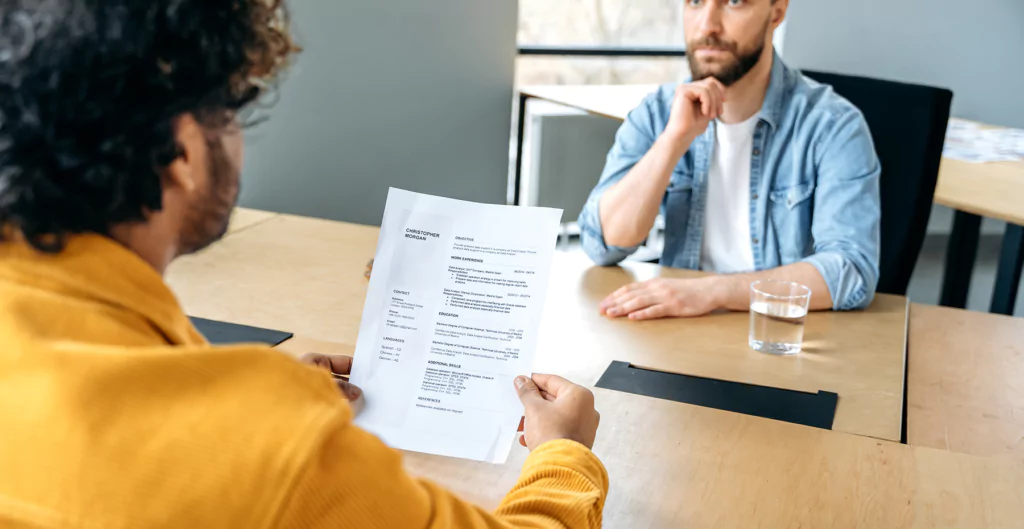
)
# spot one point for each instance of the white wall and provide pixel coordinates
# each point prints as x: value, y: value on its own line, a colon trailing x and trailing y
x: 406, y: 93
x: 974, y: 48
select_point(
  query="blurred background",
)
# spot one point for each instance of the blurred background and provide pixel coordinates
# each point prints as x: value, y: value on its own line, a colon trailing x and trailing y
x: 600, y: 24
x: 423, y: 96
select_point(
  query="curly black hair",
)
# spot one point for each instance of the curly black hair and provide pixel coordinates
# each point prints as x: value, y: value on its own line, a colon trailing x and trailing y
x: 89, y: 90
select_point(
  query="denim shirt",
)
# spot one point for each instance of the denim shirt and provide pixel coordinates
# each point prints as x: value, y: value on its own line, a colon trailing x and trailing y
x: 813, y: 187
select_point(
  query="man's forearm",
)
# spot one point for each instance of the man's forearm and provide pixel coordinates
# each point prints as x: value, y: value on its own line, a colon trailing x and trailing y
x: 562, y: 484
x: 733, y: 290
x: 628, y: 208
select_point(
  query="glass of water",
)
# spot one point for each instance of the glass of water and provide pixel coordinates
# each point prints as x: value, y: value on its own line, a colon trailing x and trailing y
x: 778, y: 310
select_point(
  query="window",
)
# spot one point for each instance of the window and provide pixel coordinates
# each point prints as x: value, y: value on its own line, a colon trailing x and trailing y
x: 600, y: 24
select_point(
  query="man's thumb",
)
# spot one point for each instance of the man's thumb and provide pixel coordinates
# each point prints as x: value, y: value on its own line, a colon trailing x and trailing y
x: 527, y: 389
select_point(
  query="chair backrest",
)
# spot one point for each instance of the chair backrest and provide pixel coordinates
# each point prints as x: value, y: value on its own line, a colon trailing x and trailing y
x: 908, y: 125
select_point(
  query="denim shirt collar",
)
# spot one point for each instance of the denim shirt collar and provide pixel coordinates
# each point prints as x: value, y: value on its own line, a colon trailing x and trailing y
x: 771, y: 109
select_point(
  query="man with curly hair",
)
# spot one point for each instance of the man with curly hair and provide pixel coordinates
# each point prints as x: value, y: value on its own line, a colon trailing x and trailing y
x: 120, y: 150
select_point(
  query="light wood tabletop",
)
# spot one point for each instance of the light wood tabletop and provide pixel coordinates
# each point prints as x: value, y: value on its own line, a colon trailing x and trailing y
x: 245, y: 218
x: 296, y: 274
x: 675, y: 465
x: 305, y: 276
x: 994, y: 190
x: 965, y: 381
x: 670, y: 464
x: 858, y: 355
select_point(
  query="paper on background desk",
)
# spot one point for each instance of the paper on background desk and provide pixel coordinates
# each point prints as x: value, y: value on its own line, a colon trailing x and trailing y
x: 969, y: 142
x: 451, y: 318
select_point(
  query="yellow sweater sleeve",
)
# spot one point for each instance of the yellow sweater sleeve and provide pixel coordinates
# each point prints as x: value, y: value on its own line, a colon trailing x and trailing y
x: 350, y: 479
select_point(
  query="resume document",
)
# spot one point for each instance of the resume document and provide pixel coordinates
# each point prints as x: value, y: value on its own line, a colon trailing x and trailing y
x: 450, y: 319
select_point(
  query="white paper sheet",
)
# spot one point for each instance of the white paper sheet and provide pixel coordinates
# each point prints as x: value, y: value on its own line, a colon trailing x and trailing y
x: 969, y: 142
x: 451, y: 318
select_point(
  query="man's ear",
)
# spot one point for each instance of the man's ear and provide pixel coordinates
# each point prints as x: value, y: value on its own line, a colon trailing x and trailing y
x: 779, y: 9
x: 185, y: 171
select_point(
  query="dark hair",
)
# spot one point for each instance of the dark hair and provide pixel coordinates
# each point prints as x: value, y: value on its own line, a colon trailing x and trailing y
x: 89, y: 91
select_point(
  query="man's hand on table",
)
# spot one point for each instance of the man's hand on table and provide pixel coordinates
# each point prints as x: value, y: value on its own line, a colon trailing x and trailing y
x: 665, y: 298
x: 556, y: 409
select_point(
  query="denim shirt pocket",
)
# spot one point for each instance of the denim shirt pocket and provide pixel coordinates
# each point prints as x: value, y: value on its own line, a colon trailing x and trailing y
x: 791, y: 213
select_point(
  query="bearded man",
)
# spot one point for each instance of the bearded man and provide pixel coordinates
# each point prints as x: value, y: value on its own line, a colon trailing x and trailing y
x: 760, y: 173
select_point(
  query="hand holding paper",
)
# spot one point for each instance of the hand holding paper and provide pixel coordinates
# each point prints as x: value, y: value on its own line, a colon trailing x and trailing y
x: 556, y: 409
x: 451, y: 318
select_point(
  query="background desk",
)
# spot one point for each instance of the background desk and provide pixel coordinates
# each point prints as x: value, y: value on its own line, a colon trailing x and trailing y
x: 670, y: 464
x: 305, y: 276
x: 993, y: 190
x: 973, y: 190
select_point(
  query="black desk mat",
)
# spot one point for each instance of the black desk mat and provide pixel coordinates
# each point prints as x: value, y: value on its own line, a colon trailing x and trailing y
x: 809, y: 409
x: 222, y: 333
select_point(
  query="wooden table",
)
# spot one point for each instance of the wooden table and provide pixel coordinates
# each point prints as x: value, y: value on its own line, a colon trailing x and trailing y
x: 298, y: 274
x: 973, y: 190
x: 858, y: 355
x: 305, y: 276
x: 670, y: 464
x: 966, y: 382
x: 994, y: 190
x: 674, y: 465
x: 244, y: 218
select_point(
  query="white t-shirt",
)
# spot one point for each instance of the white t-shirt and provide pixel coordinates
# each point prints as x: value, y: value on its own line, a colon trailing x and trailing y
x: 726, y: 245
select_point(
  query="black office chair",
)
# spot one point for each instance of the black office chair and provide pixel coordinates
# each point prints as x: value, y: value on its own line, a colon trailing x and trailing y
x: 908, y: 125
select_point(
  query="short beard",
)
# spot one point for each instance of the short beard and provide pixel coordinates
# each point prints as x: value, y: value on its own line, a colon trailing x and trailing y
x: 733, y: 71
x: 207, y: 219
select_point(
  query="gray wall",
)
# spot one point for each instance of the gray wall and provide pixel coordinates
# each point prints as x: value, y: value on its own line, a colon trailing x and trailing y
x: 975, y: 47
x: 406, y: 93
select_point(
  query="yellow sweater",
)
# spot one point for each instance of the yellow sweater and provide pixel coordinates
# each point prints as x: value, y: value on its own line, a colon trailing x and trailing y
x: 115, y: 412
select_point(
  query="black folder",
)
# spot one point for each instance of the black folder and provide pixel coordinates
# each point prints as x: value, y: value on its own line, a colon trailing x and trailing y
x: 222, y: 333
x: 809, y: 409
